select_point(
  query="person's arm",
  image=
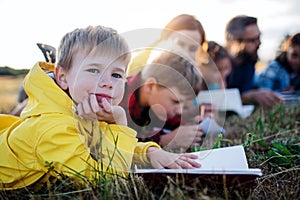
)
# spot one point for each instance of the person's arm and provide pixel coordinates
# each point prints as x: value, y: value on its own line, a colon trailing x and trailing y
x: 269, y: 76
x: 264, y: 98
x: 184, y: 136
x: 263, y: 81
x: 19, y: 108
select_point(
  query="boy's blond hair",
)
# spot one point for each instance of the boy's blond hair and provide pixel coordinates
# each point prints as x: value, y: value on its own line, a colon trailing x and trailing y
x: 172, y: 70
x: 91, y: 39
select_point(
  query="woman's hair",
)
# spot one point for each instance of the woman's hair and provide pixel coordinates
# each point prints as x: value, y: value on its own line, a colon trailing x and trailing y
x: 183, y: 22
x: 171, y: 70
x: 288, y: 42
x: 91, y: 39
x: 216, y: 51
x: 211, y: 53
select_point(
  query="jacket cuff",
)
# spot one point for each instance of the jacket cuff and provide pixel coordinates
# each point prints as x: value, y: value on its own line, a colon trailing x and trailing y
x: 141, y: 151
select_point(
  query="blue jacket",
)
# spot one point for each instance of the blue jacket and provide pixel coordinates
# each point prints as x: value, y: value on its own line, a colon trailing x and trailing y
x: 274, y: 77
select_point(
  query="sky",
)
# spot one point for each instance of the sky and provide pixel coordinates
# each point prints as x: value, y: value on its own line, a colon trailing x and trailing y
x: 27, y: 22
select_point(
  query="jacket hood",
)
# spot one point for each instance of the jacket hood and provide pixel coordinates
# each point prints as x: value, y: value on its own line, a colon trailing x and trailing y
x: 44, y: 95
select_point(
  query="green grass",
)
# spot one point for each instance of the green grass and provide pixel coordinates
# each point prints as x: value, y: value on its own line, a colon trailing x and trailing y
x: 272, y: 142
x: 271, y: 139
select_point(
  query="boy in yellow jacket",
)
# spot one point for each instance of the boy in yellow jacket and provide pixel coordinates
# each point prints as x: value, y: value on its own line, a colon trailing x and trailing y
x: 72, y: 123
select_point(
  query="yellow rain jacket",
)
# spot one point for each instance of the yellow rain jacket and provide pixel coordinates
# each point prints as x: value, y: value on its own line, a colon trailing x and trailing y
x: 49, y: 138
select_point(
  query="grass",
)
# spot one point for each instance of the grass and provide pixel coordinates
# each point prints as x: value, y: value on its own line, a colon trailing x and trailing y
x: 272, y: 143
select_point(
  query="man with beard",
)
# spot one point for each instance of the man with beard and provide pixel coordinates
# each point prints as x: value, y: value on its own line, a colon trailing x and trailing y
x: 242, y: 37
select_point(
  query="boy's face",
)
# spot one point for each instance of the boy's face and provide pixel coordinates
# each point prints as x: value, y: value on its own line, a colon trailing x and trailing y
x: 170, y: 102
x: 95, y: 74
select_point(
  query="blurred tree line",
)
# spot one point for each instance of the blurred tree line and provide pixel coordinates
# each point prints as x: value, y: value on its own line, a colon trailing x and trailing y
x: 12, y: 72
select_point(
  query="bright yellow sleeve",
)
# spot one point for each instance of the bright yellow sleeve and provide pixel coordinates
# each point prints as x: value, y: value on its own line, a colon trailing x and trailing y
x: 66, y: 148
x: 70, y: 150
x: 53, y: 144
x: 118, y: 145
x: 140, y: 151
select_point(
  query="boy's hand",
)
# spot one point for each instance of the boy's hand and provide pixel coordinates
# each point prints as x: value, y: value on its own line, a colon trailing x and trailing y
x: 90, y: 109
x: 184, y: 136
x: 112, y: 114
x: 160, y: 158
x: 191, y: 113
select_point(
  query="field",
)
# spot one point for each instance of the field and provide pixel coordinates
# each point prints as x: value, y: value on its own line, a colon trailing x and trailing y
x: 9, y: 87
x: 272, y: 143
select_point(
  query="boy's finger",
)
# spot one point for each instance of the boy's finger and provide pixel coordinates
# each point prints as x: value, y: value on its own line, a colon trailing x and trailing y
x: 81, y: 112
x: 86, y: 106
x: 189, y: 155
x: 184, y: 164
x: 190, y: 158
x: 194, y: 163
x: 106, y: 105
x: 94, y: 103
x: 176, y: 165
x: 157, y: 165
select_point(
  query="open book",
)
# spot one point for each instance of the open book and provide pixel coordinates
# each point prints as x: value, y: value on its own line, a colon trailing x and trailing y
x: 226, y: 100
x: 229, y: 161
x: 291, y: 99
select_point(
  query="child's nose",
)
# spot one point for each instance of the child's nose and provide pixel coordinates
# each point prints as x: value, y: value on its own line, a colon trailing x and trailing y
x: 105, y: 82
x: 178, y: 110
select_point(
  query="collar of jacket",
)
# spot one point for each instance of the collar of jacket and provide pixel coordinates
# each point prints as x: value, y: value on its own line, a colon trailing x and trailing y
x: 44, y: 95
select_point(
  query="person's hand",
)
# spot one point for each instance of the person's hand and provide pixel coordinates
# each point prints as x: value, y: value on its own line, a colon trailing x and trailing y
x: 160, y: 159
x: 19, y: 108
x: 90, y: 109
x: 208, y: 110
x: 112, y: 114
x: 192, y: 113
x: 264, y: 98
x: 289, y: 89
x: 183, y: 136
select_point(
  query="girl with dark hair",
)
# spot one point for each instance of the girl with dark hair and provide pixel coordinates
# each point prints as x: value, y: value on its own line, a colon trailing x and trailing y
x: 283, y: 73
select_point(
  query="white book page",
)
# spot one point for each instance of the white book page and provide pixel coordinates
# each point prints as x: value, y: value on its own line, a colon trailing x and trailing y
x: 225, y: 100
x: 227, y: 160
x: 223, y: 158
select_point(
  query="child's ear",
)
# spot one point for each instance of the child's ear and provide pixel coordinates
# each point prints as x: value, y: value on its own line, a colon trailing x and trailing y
x: 150, y: 84
x: 60, y: 77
